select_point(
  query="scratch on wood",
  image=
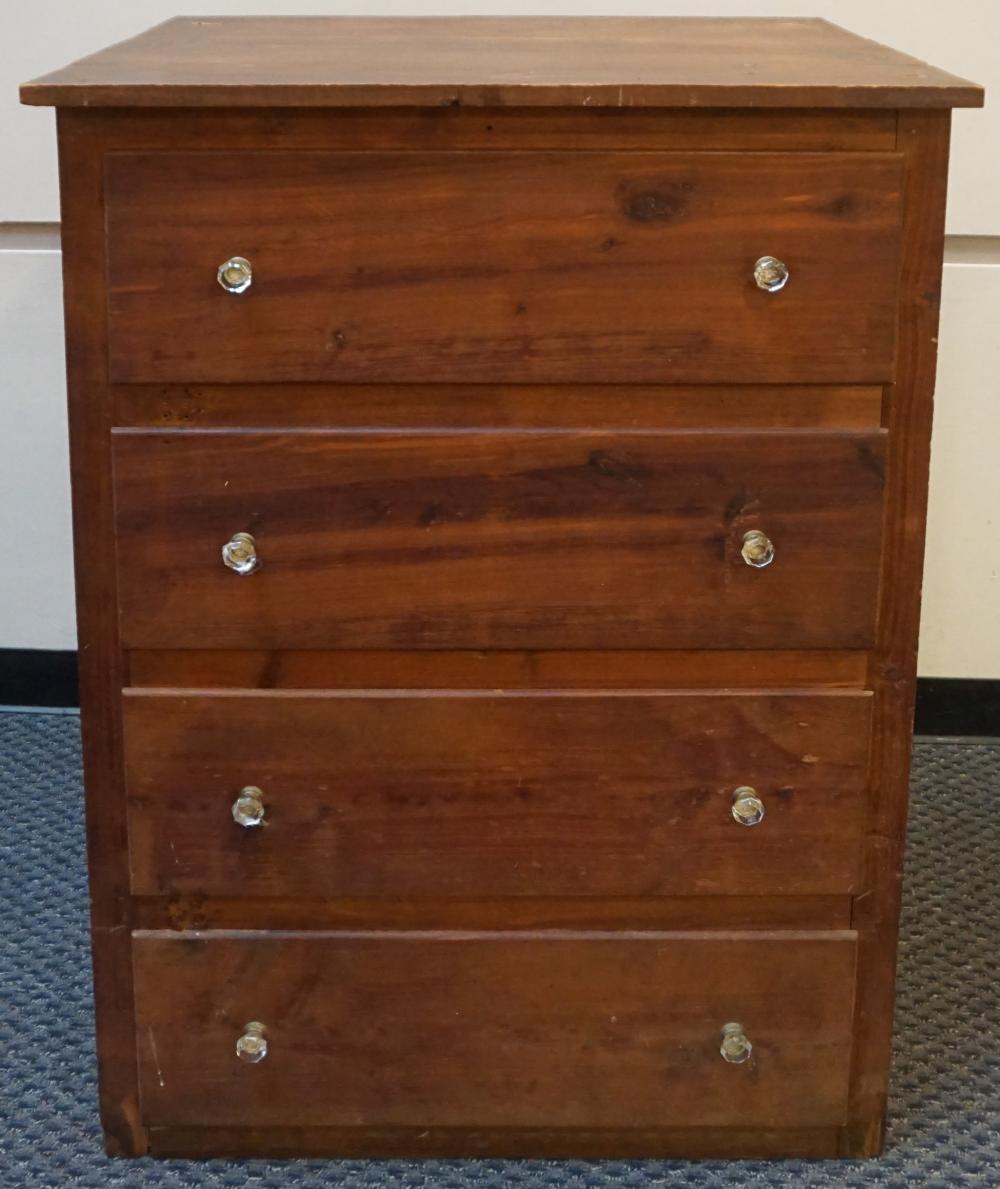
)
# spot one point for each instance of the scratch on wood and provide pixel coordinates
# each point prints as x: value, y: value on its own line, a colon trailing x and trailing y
x: 156, y: 1058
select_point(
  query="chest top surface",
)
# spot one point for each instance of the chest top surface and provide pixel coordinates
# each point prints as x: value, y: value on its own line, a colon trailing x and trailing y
x: 497, y: 62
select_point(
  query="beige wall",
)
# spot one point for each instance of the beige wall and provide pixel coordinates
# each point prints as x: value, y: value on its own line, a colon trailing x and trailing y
x: 36, y: 572
x: 961, y: 633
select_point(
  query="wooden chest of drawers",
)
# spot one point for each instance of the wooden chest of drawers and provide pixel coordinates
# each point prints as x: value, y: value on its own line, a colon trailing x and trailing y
x: 499, y: 456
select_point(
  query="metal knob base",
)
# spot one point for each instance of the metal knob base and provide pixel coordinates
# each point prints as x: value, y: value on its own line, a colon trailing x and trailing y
x: 747, y: 807
x: 770, y: 274
x: 240, y: 554
x: 735, y: 1047
x: 236, y: 275
x: 252, y: 1045
x: 757, y: 550
x: 248, y: 808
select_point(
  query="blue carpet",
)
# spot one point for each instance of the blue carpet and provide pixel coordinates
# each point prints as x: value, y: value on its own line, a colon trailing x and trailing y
x: 945, y: 1129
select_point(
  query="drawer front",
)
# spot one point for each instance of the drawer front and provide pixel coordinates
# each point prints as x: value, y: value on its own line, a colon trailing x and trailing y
x: 497, y: 266
x: 499, y: 540
x: 457, y: 794
x: 530, y: 1030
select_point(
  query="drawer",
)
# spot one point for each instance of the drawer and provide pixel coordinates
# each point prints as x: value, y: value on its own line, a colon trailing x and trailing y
x: 513, y: 267
x: 544, y: 540
x: 506, y: 1030
x: 447, y: 794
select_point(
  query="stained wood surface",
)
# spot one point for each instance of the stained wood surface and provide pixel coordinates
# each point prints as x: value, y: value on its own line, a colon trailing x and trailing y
x: 497, y: 540
x: 507, y: 1030
x: 465, y: 669
x: 100, y: 659
x: 494, y: 129
x: 500, y: 61
x: 450, y: 795
x: 493, y: 406
x: 619, y: 914
x: 521, y: 267
x: 924, y: 139
x: 180, y: 631
x: 541, y: 1143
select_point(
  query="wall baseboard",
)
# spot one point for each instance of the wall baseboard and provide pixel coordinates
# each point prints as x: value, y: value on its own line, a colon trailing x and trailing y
x: 958, y: 706
x: 32, y: 677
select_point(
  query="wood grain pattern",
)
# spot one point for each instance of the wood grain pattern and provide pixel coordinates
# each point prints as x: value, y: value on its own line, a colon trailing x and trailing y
x: 924, y: 139
x: 541, y: 1143
x: 500, y: 61
x: 100, y: 662
x: 531, y: 540
x: 499, y: 407
x: 622, y: 913
x: 498, y: 129
x: 492, y: 406
x: 463, y: 795
x: 355, y: 668
x: 519, y: 267
x: 503, y: 1030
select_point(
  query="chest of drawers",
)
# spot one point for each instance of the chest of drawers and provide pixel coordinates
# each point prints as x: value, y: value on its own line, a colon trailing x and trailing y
x: 499, y: 459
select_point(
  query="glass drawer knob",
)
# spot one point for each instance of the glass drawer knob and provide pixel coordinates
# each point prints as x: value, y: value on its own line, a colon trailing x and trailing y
x: 770, y: 274
x: 236, y: 275
x: 748, y: 808
x: 240, y: 553
x: 248, y: 808
x: 757, y: 550
x: 252, y: 1045
x: 735, y: 1047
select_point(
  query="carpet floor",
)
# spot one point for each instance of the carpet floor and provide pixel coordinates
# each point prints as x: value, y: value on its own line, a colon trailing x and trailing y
x: 945, y: 1128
